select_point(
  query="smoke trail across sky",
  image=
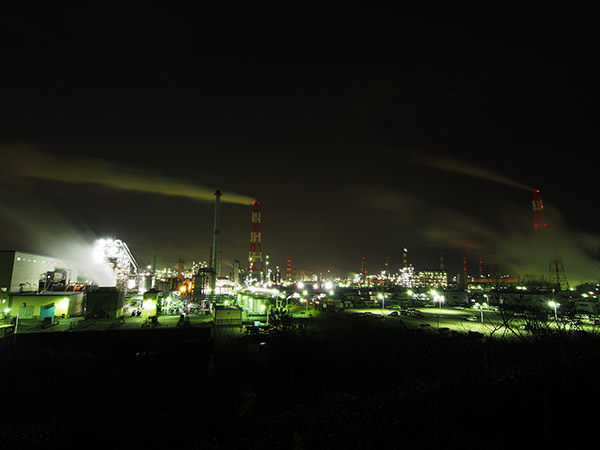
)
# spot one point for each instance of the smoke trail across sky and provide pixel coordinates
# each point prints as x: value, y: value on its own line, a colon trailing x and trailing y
x: 103, y: 173
x: 449, y: 164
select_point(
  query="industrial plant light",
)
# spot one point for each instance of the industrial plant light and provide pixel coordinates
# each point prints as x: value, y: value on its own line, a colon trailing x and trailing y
x: 148, y: 304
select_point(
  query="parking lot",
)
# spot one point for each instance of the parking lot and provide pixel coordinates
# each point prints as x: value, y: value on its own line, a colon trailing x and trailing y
x: 452, y: 320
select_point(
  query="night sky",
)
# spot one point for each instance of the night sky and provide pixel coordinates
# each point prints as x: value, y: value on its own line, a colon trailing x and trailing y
x: 361, y: 130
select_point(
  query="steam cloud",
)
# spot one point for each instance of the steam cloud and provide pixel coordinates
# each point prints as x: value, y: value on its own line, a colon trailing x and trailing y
x: 103, y: 173
x: 53, y: 236
x: 521, y: 251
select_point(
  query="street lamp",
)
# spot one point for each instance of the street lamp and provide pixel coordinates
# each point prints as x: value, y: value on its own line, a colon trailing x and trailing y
x: 440, y: 299
x: 381, y: 297
x: 481, y: 310
x: 554, y: 305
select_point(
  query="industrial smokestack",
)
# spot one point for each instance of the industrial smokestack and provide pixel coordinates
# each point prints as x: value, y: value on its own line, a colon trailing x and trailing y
x: 215, y: 247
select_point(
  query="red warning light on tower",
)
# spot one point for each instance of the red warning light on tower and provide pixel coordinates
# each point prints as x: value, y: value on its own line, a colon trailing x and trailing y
x: 538, y: 211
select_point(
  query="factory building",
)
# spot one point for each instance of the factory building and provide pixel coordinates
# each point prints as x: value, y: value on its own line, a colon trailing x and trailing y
x: 431, y: 279
x: 27, y: 272
x: 35, y: 286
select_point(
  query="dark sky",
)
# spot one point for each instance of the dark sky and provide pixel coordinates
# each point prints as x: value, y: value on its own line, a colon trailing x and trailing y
x: 361, y: 130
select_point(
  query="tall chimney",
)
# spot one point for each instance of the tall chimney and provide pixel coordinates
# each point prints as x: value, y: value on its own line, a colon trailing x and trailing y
x: 215, y: 247
x: 255, y: 260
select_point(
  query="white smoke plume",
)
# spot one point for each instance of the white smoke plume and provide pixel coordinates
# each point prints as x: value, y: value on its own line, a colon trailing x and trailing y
x: 83, y: 170
x: 45, y: 233
x: 449, y: 164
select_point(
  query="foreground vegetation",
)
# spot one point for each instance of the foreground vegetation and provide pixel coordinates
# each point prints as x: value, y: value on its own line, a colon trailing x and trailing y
x: 340, y: 383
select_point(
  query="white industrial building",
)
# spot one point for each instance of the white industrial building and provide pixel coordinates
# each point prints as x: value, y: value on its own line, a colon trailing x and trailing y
x: 22, y: 272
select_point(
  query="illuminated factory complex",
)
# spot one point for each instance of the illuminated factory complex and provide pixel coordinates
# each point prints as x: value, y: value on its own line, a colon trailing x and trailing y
x: 110, y: 282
